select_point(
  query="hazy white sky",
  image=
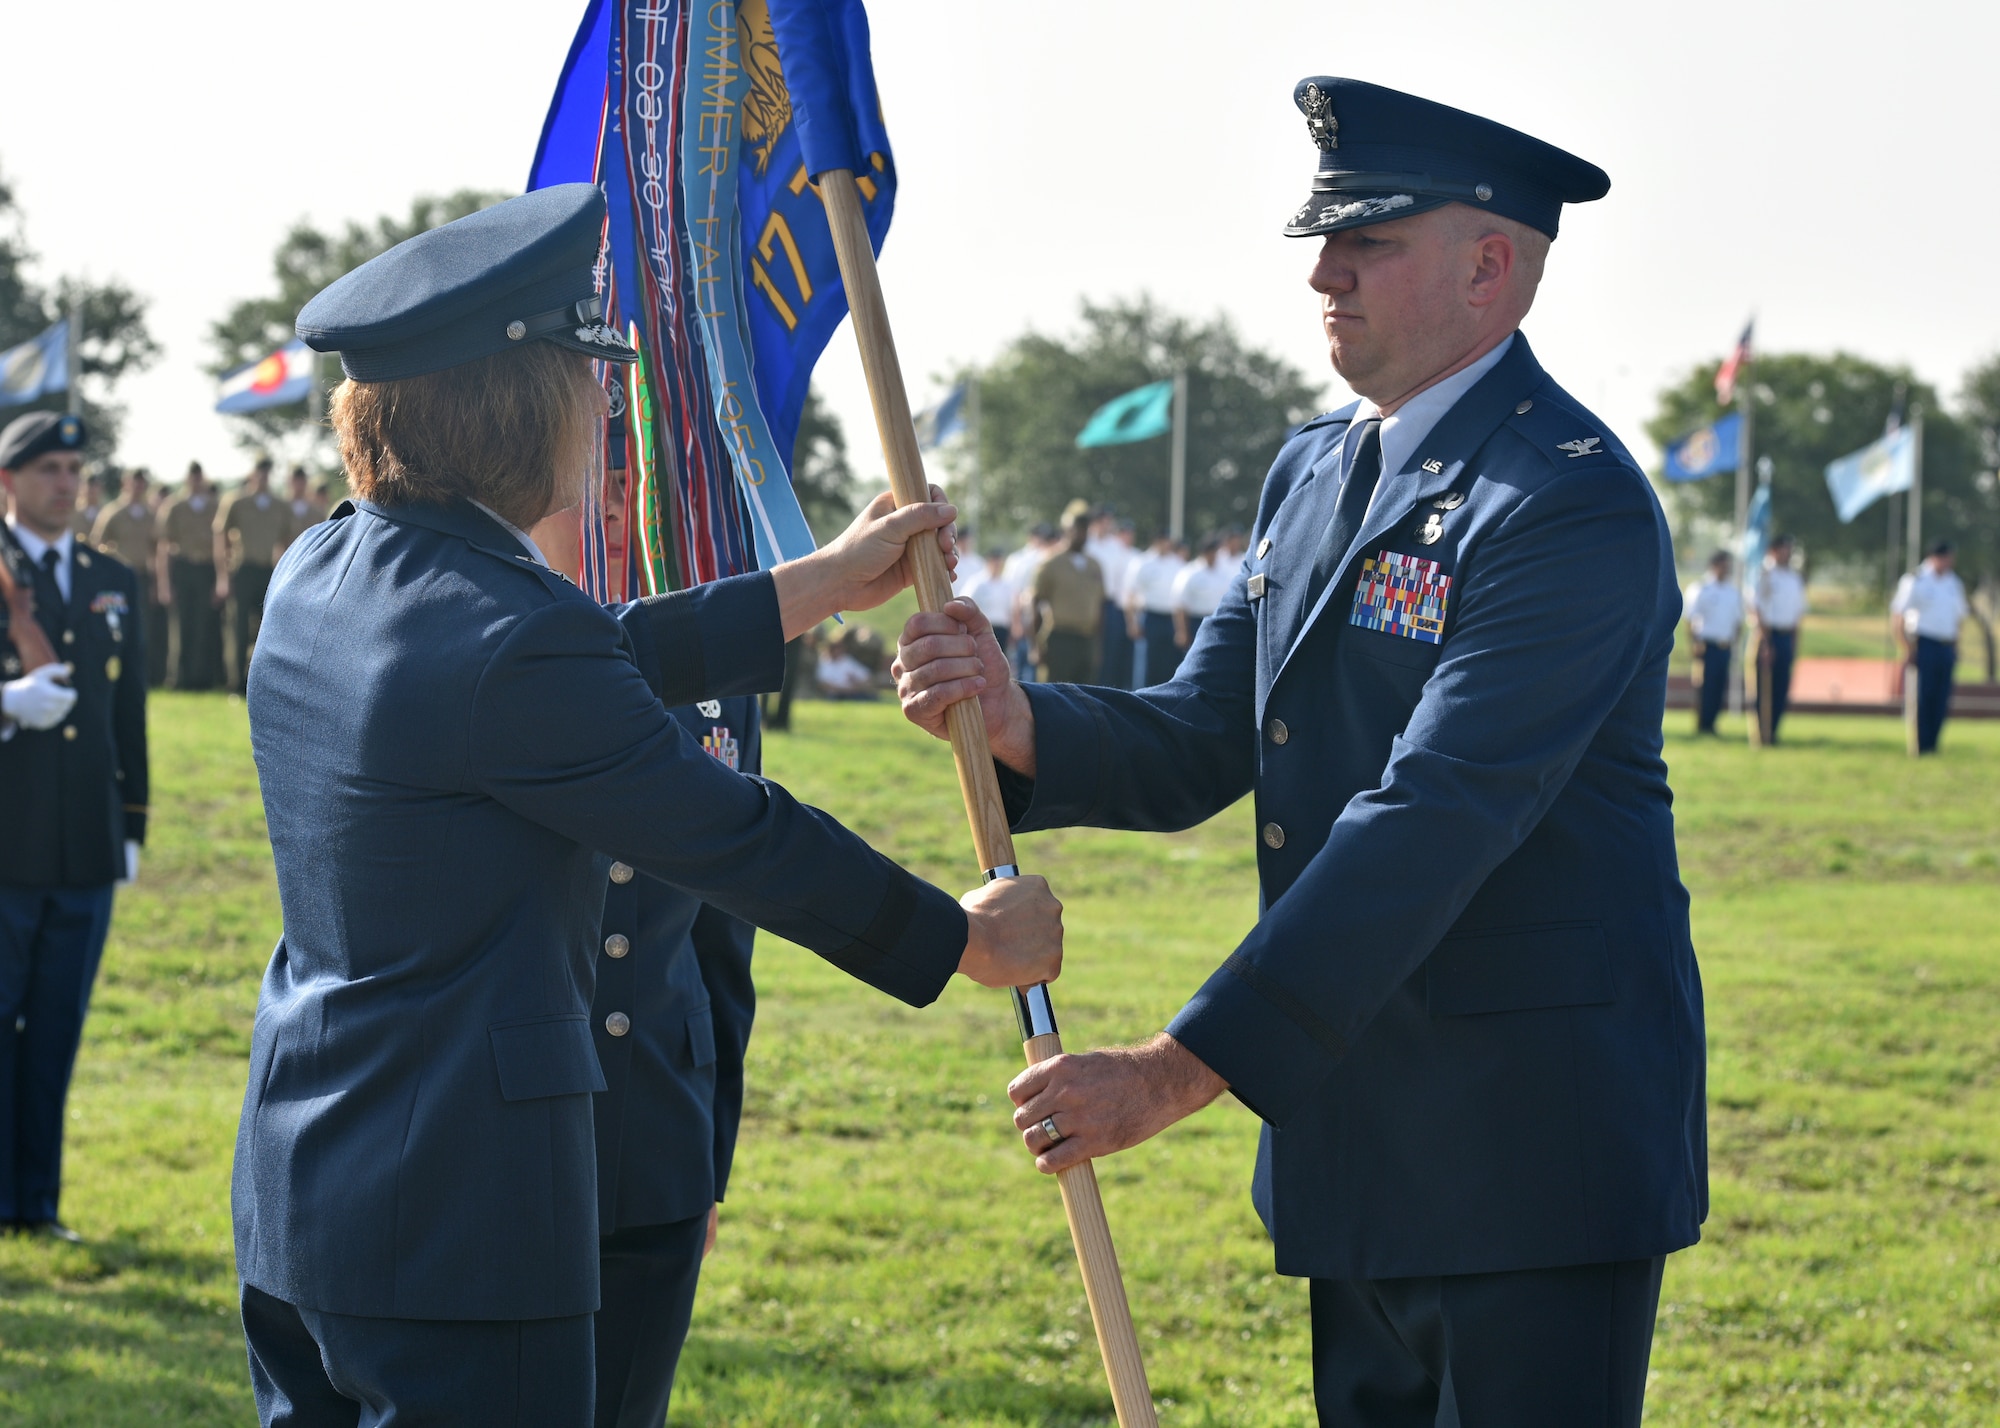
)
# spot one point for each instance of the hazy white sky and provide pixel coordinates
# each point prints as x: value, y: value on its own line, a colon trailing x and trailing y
x: 1828, y: 167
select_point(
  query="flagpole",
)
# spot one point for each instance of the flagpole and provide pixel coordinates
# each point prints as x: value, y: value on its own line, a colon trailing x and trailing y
x: 992, y: 838
x: 975, y: 491
x: 73, y: 356
x: 1743, y: 448
x: 1177, y: 479
x: 1916, y: 520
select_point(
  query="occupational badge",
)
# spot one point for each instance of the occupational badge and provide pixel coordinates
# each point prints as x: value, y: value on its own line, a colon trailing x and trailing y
x: 1402, y: 595
x: 1432, y: 528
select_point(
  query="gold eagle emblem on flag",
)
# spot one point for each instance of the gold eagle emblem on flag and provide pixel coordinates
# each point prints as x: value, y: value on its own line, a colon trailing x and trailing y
x: 767, y: 108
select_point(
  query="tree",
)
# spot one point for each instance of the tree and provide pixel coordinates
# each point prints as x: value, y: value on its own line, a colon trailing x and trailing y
x: 1040, y: 391
x: 115, y: 338
x: 1809, y: 410
x: 306, y: 261
x: 821, y: 475
x: 1977, y: 521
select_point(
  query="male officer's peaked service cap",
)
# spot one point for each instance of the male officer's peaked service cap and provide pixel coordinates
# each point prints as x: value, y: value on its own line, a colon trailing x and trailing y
x: 1385, y: 155
x: 520, y: 271
x: 37, y: 434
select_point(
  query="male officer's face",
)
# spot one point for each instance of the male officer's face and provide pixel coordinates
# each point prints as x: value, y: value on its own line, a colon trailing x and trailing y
x: 42, y: 494
x: 1404, y: 303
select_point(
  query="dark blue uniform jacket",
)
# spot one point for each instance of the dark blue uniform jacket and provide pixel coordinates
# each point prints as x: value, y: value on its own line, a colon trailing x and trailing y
x: 673, y: 1092
x: 453, y: 744
x: 1470, y: 1013
x: 70, y: 796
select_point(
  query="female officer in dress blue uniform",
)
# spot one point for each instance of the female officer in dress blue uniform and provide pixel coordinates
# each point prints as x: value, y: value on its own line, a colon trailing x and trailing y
x: 454, y: 744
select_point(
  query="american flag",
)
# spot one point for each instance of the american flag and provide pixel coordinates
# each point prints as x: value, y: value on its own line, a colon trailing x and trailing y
x: 1733, y: 366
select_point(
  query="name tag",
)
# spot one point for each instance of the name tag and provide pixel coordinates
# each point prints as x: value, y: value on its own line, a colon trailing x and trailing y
x: 1402, y: 595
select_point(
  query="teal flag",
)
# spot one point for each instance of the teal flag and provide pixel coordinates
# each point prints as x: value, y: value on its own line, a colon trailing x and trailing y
x: 1145, y: 412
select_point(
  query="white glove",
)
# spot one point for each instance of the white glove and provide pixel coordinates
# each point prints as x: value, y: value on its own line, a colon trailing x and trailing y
x: 131, y: 862
x: 38, y: 699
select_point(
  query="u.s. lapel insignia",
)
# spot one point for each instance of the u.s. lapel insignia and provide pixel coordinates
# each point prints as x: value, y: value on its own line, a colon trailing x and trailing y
x: 709, y: 708
x: 1402, y: 595
x: 1434, y: 466
x: 83, y: 558
x: 1450, y: 501
x: 1582, y: 446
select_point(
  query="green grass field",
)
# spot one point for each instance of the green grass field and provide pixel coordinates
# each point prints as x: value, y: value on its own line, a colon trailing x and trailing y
x: 888, y: 1255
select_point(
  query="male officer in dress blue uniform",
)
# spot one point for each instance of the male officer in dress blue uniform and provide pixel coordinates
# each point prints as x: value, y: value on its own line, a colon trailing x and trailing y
x: 672, y: 1020
x: 72, y: 800
x: 1469, y: 1014
x: 453, y: 743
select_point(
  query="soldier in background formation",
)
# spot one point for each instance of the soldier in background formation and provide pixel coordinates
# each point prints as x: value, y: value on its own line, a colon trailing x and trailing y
x: 1928, y: 608
x: 1069, y: 605
x: 1110, y: 545
x: 1779, y: 608
x: 1149, y: 609
x: 188, y: 585
x: 1713, y: 607
x: 129, y: 529
x: 252, y: 526
x: 73, y: 791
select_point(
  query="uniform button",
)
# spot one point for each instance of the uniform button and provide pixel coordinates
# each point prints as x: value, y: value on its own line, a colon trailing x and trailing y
x: 69, y: 637
x: 1279, y: 733
x: 618, y: 1023
x: 1523, y: 409
x: 1274, y: 836
x: 617, y: 945
x: 621, y: 872
x: 69, y: 731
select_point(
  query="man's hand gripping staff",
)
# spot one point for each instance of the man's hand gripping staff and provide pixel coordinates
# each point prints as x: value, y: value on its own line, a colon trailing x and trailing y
x: 986, y: 812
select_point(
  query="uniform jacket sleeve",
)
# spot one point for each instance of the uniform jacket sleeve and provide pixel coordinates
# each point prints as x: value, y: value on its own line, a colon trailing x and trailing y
x: 722, y: 946
x: 709, y: 642
x: 128, y: 715
x: 567, y: 730
x: 1546, y: 644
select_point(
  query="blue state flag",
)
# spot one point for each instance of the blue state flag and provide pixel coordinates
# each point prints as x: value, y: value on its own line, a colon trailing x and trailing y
x: 1140, y: 414
x: 1706, y: 452
x: 1882, y: 468
x: 37, y: 368
x: 941, y: 423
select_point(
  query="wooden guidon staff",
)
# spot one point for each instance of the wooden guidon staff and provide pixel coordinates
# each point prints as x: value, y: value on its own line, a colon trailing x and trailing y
x: 991, y: 837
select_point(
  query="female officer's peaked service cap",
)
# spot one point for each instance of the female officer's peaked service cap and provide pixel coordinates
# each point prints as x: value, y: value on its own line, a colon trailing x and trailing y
x: 1385, y: 155
x: 520, y: 271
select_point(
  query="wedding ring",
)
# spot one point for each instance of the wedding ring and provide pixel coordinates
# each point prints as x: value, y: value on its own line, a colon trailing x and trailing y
x: 1055, y: 1136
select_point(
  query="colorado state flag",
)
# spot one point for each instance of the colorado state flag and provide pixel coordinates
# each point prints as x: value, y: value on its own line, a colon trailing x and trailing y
x: 283, y: 377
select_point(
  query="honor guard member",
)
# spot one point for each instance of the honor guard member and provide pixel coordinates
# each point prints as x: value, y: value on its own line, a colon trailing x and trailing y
x: 447, y: 733
x: 128, y: 530
x: 1469, y: 1013
x: 72, y: 796
x: 188, y: 584
x: 1714, y: 608
x: 251, y: 527
x: 1928, y: 608
x: 1780, y: 609
x: 672, y: 1021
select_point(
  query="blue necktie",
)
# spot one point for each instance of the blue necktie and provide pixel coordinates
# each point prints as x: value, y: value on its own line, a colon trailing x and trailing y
x: 1364, y: 470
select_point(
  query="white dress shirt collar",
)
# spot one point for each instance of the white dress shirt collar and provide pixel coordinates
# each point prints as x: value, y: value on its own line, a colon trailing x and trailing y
x: 34, y: 545
x: 1404, y: 431
x: 515, y: 531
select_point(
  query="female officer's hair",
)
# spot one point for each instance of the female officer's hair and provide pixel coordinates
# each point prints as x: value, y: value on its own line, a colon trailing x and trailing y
x: 505, y: 430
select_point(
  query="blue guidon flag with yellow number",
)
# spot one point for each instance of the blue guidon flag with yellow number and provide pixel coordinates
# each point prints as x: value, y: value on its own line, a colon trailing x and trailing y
x: 718, y: 264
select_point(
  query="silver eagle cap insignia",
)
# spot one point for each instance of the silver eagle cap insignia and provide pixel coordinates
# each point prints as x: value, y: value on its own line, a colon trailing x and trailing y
x: 1317, y: 105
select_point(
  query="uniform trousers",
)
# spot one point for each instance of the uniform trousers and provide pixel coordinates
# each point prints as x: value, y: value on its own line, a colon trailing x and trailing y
x: 197, y: 625
x: 1163, y: 656
x: 313, y: 1369
x: 51, y: 940
x: 1536, y: 1348
x: 1714, y: 685
x: 158, y: 641
x: 1783, y: 646
x: 648, y: 1274
x: 248, y: 585
x: 1936, y: 660
x: 1069, y: 657
x: 1114, y: 668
